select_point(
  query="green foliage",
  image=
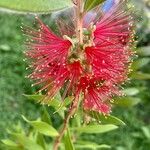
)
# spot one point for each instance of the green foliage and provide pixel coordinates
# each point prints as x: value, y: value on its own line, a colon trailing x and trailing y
x: 20, y: 141
x: 35, y: 139
x: 10, y: 143
x: 141, y: 62
x: 55, y: 102
x: 144, y: 51
x: 131, y: 91
x: 68, y: 141
x: 90, y: 145
x: 126, y: 101
x: 42, y: 127
x: 12, y: 72
x: 141, y: 76
x: 35, y: 6
x: 106, y: 119
x: 146, y: 132
x: 96, y: 128
x: 92, y: 4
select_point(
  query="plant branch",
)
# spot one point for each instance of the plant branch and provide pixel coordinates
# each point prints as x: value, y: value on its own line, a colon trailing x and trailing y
x: 79, y: 15
x: 66, y: 122
x: 79, y: 33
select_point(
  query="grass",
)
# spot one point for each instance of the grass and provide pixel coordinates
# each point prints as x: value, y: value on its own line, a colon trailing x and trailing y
x: 12, y: 71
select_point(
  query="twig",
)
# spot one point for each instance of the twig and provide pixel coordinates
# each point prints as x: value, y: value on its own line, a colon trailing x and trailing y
x: 71, y: 112
x: 79, y: 33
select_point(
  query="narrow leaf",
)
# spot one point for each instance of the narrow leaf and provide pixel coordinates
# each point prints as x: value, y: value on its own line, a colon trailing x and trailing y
x: 35, y: 6
x: 96, y: 128
x: 92, y: 4
x: 140, y: 76
x: 86, y: 144
x: 9, y: 143
x: 68, y: 142
x: 106, y: 119
x: 34, y: 97
x: 92, y: 146
x: 42, y: 127
x: 41, y: 141
x: 137, y: 64
x: 45, y: 116
x: 126, y: 101
x: 144, y: 51
x: 131, y: 91
x: 146, y: 132
x: 37, y: 98
x: 26, y: 142
x: 56, y: 102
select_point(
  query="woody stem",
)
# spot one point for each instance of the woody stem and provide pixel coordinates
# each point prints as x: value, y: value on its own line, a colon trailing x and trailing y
x: 79, y: 33
x: 79, y: 15
x: 66, y: 122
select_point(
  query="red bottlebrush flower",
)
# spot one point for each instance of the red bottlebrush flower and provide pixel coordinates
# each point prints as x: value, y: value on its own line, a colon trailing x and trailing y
x: 95, y: 94
x: 108, y: 61
x: 95, y: 69
x: 115, y: 25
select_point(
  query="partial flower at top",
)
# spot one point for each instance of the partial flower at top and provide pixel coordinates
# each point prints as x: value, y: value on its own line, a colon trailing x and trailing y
x: 95, y: 69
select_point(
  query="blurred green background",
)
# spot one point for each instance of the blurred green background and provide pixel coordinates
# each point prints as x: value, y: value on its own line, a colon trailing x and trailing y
x: 13, y: 84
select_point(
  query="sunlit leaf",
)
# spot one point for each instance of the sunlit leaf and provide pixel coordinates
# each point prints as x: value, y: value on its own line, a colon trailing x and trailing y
x: 41, y: 141
x: 96, y: 128
x: 5, y: 47
x: 144, y: 51
x: 67, y: 141
x: 140, y: 76
x: 137, y: 64
x: 136, y: 134
x: 45, y: 116
x: 106, y: 119
x: 9, y: 143
x: 131, y: 91
x: 146, y: 132
x: 92, y: 146
x: 42, y: 127
x: 92, y: 4
x: 55, y: 102
x: 126, y: 101
x: 25, y: 142
x: 35, y: 6
x: 68, y: 100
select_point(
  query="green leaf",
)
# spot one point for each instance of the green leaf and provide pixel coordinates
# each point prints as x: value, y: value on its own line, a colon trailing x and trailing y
x: 92, y: 4
x: 41, y: 141
x: 68, y: 142
x: 42, y: 127
x: 146, y: 132
x: 68, y: 100
x: 140, y: 76
x: 37, y: 98
x: 92, y: 146
x: 106, y: 119
x: 35, y: 6
x: 25, y: 142
x: 144, y: 51
x: 131, y: 91
x: 137, y: 64
x: 9, y: 143
x: 126, y: 101
x: 96, y: 128
x: 56, y: 102
x: 5, y: 47
x: 45, y: 116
